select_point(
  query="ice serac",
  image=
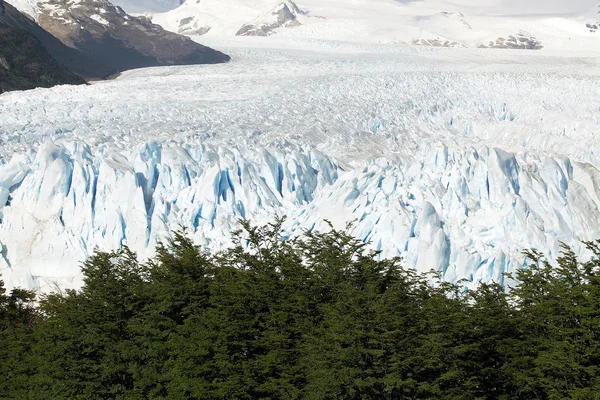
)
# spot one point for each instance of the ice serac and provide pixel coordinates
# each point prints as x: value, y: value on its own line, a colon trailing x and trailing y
x: 61, y: 202
x: 466, y: 213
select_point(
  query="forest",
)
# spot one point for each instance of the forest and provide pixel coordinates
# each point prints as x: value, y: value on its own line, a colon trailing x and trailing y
x: 25, y: 63
x: 319, y: 316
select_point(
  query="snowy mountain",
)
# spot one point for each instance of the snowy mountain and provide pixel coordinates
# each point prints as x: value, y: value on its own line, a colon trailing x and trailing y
x: 283, y: 15
x: 108, y: 35
x: 467, y: 23
x: 235, y: 17
x: 453, y: 158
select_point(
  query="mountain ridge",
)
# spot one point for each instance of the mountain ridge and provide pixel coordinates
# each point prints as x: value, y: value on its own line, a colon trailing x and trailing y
x: 24, y: 60
x: 106, y: 34
x: 426, y: 23
x: 71, y: 58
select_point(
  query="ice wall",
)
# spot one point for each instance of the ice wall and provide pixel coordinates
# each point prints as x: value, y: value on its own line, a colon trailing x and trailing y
x: 467, y: 213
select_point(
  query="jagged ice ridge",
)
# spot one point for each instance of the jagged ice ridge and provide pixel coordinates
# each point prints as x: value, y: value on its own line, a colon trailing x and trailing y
x: 452, y: 170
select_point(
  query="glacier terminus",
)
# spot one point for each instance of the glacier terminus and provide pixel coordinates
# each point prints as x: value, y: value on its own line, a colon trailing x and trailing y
x: 454, y: 159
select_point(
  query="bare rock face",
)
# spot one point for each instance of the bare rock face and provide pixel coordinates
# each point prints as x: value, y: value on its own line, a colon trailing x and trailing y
x: 436, y: 43
x: 190, y: 26
x: 105, y: 33
x: 283, y: 16
x: 521, y: 41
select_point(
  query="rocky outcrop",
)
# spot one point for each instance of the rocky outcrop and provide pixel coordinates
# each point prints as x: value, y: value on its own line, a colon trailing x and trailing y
x: 435, y: 43
x: 24, y: 61
x: 284, y: 15
x: 521, y: 41
x: 107, y: 34
x: 4, y: 63
x: 191, y: 26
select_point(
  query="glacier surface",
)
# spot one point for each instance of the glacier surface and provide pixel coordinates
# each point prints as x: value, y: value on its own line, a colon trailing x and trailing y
x: 454, y: 159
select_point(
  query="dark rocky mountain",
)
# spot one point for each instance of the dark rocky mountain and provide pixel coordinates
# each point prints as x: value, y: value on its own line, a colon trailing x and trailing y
x: 24, y: 61
x: 71, y: 58
x: 105, y: 33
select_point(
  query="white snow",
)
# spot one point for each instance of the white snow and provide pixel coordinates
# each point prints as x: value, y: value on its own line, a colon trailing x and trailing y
x: 99, y: 19
x: 558, y: 24
x: 455, y: 159
x: 136, y: 7
x: 29, y: 7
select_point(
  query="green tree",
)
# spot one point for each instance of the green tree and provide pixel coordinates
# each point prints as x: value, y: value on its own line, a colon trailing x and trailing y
x: 560, y: 316
x: 18, y: 317
x: 345, y: 355
x: 317, y: 317
x: 83, y: 344
x: 177, y: 289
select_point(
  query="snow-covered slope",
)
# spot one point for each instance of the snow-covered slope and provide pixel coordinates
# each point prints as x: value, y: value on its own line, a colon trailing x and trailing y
x: 285, y: 14
x: 136, y: 7
x: 234, y: 17
x: 456, y: 159
x: 471, y: 23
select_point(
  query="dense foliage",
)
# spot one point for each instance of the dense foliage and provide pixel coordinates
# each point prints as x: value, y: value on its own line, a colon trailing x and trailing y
x: 25, y: 63
x: 319, y: 317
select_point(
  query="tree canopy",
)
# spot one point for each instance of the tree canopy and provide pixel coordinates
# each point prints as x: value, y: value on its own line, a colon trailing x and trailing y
x: 315, y: 317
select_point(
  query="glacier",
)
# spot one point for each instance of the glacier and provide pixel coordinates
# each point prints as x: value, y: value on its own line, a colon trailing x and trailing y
x: 454, y: 159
